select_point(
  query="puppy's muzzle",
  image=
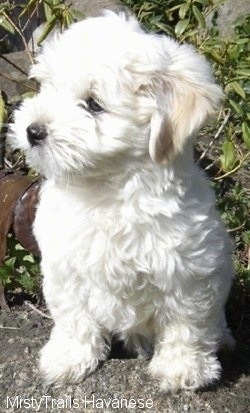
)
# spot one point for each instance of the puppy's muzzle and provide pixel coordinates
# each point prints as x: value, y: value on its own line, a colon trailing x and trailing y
x: 36, y: 133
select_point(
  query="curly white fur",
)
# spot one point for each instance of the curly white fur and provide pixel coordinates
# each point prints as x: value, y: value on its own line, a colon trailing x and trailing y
x: 131, y: 241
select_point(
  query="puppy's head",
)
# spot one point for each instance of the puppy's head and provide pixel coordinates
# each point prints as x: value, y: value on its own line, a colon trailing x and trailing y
x: 109, y: 94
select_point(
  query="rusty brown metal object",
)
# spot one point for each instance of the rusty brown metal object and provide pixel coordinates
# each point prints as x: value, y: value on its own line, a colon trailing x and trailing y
x: 24, y: 216
x: 18, y: 200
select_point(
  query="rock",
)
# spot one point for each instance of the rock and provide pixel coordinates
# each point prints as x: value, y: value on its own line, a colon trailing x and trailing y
x: 228, y: 14
x: 14, y: 68
x: 93, y: 8
x: 86, y: 8
x: 30, y: 24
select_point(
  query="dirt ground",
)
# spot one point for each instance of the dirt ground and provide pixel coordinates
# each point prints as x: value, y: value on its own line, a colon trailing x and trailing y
x: 120, y: 384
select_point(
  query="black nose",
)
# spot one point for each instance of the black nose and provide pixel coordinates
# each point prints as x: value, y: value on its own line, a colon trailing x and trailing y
x: 36, y: 132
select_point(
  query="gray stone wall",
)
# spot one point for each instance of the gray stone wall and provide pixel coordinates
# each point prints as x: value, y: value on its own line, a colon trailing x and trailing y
x: 228, y: 13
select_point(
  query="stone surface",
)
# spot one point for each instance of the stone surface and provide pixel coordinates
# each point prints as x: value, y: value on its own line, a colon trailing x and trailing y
x: 14, y: 68
x: 229, y: 12
x: 120, y: 382
x: 30, y: 24
x: 93, y: 8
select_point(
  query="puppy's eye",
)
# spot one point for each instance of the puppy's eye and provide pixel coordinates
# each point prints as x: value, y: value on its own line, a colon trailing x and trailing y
x: 94, y: 106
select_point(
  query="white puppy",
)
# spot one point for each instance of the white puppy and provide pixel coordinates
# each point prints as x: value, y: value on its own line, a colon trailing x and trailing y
x: 131, y: 242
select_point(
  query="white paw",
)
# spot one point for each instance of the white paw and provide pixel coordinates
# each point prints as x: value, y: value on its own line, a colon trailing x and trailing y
x: 185, y: 372
x: 67, y: 360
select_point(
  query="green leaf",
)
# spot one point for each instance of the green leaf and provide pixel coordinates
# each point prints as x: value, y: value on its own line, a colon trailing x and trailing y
x: 27, y: 282
x: 2, y: 111
x: 183, y: 10
x: 227, y: 157
x: 4, y: 6
x: 199, y: 16
x: 238, y: 89
x: 181, y: 27
x: 6, y: 25
x: 170, y: 10
x: 47, y: 10
x: 246, y: 134
x: 48, y: 27
x: 236, y: 107
x: 215, y: 56
x: 10, y: 262
x: 242, y: 41
x: 165, y: 28
x: 31, y: 4
x: 243, y: 72
x: 29, y: 258
x: 77, y: 15
x: 189, y: 34
x: 5, y: 274
x: 204, y: 2
x: 7, y: 270
x: 29, y: 94
x: 67, y: 21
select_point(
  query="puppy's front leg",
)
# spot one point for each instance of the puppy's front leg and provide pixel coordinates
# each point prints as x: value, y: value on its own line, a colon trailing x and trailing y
x: 75, y: 347
x: 185, y: 357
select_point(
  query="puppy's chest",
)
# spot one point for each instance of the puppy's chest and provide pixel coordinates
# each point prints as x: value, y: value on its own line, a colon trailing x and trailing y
x: 102, y: 242
x: 103, y: 254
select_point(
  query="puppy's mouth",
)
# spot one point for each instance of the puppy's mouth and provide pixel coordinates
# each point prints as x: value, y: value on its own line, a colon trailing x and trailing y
x: 36, y: 133
x: 50, y: 152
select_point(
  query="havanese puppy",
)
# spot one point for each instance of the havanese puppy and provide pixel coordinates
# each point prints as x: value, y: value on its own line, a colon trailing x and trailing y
x: 131, y: 242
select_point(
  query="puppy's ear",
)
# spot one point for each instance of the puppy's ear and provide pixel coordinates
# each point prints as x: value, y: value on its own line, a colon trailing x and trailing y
x: 161, y: 138
x: 185, y: 96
